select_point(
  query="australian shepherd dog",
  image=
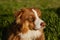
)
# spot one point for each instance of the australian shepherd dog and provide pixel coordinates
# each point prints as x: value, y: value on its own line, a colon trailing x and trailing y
x: 28, y: 25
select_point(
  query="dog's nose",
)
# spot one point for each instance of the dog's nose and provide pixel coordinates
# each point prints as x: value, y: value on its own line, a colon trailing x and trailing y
x: 43, y: 24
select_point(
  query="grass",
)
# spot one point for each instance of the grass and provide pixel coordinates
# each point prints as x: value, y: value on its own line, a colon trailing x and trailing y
x: 49, y: 15
x: 51, y: 30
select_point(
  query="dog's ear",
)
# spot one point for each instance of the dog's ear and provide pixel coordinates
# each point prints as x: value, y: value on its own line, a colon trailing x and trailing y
x: 18, y: 13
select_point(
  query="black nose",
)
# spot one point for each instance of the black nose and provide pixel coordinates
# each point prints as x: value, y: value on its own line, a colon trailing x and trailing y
x: 43, y: 24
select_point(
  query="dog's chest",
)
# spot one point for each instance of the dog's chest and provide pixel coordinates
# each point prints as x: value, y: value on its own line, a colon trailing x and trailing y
x: 30, y: 35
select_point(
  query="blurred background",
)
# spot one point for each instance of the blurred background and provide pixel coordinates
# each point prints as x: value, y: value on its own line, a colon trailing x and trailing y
x: 50, y: 14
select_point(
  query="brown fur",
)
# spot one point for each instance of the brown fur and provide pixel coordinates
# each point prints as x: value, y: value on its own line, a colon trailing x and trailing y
x: 24, y: 19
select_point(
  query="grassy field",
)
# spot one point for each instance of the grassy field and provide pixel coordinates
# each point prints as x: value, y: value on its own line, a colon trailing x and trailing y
x: 49, y: 14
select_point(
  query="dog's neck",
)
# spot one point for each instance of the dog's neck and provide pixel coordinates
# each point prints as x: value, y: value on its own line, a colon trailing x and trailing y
x: 30, y: 35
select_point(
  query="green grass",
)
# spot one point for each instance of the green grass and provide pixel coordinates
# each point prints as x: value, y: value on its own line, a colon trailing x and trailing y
x: 52, y: 30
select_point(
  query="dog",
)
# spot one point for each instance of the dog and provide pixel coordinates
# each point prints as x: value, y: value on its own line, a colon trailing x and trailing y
x: 28, y: 25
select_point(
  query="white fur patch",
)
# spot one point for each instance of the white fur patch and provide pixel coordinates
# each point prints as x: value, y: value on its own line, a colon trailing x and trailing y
x: 38, y: 21
x: 30, y: 35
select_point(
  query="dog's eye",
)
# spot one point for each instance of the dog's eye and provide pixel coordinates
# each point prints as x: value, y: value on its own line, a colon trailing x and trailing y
x: 31, y: 19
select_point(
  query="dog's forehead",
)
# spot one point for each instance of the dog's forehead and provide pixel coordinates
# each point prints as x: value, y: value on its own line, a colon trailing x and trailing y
x: 29, y: 11
x: 35, y: 10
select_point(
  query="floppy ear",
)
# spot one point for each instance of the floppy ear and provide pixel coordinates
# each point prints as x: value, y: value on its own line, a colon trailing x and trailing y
x: 21, y: 11
x: 17, y: 16
x: 18, y: 13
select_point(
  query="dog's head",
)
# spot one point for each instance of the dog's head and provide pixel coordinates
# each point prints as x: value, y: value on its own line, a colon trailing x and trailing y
x: 29, y: 19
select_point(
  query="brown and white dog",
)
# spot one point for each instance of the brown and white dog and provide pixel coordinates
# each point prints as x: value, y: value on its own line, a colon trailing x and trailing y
x: 29, y: 24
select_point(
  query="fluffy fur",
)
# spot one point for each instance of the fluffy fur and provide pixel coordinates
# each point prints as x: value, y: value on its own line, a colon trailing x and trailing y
x: 27, y: 25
